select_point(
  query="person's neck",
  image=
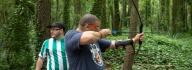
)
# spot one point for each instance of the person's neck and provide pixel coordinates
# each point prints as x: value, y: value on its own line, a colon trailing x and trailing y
x: 80, y: 29
x: 59, y: 37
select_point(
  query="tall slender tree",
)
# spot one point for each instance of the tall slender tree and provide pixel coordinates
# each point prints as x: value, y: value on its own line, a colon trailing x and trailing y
x: 147, y: 11
x: 191, y: 14
x: 77, y: 11
x: 43, y: 20
x: 99, y: 9
x: 165, y: 17
x: 111, y: 11
x: 57, y: 10
x: 66, y: 13
x: 104, y: 15
x: 178, y: 16
x: 116, y: 25
x: 129, y: 11
x: 124, y: 9
x: 129, y: 58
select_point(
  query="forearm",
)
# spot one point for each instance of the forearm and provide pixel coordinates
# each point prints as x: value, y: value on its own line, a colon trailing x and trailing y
x: 90, y: 37
x: 39, y: 64
x: 123, y: 43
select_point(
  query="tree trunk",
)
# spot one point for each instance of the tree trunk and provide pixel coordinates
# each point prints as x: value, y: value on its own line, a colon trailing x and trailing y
x: 124, y: 5
x: 66, y: 14
x: 178, y: 16
x: 191, y: 16
x: 99, y: 9
x: 77, y: 11
x: 57, y: 11
x: 104, y: 15
x: 43, y: 19
x: 164, y: 18
x: 116, y: 27
x: 111, y: 11
x: 147, y: 11
x: 129, y: 11
x: 129, y: 58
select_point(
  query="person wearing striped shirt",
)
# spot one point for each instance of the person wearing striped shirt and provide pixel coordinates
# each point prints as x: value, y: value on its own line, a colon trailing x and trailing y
x: 54, y: 49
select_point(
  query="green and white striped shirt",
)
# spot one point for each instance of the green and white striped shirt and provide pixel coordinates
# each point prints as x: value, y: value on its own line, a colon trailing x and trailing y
x: 56, y: 55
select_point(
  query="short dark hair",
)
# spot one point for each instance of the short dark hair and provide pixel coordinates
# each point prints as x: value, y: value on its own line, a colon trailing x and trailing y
x: 88, y: 19
x: 57, y: 24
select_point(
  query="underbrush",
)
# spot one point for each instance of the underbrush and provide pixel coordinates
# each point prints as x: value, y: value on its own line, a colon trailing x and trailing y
x: 158, y: 52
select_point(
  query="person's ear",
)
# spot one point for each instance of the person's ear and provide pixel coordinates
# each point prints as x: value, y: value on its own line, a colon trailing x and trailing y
x: 86, y: 26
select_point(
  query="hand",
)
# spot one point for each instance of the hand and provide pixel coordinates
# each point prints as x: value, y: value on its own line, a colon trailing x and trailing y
x: 138, y: 37
x: 105, y: 32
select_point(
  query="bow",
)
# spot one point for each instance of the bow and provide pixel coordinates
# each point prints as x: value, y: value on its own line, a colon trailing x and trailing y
x: 140, y: 27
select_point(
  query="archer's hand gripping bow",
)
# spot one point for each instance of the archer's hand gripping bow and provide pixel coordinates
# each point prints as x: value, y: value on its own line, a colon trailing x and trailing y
x: 140, y: 27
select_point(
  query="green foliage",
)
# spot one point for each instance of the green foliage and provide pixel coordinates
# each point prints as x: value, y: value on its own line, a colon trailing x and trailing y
x: 158, y: 52
x: 16, y: 48
x: 66, y: 13
x: 114, y: 57
x: 18, y: 34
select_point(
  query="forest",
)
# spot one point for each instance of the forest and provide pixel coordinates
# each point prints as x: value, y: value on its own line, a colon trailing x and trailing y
x: 167, y: 25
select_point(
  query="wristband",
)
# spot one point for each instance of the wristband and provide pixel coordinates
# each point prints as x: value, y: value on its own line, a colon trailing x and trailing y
x: 123, y: 43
